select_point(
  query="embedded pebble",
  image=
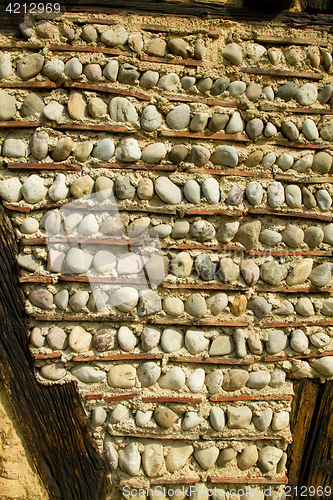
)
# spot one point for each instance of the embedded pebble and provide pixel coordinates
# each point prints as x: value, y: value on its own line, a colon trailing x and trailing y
x: 321, y: 275
x: 254, y: 128
x: 211, y: 190
x: 78, y: 300
x: 127, y: 340
x: 61, y: 299
x: 199, y: 155
x: 135, y: 42
x: 275, y: 194
x: 300, y: 272
x: 82, y: 151
x: 269, y: 456
x: 235, y: 379
x: 308, y: 199
x: 218, y: 122
x: 88, y: 374
x: 79, y: 339
x: 219, y: 86
x: 128, y: 150
x: 278, y: 378
x: 151, y: 119
x: 142, y: 418
x: 180, y: 229
x: 152, y: 459
x: 192, y: 191
x: 224, y: 458
x: 119, y: 414
x: 115, y: 36
x: 280, y: 420
x: 322, y: 162
x: 5, y: 65
x: 39, y: 145
x: 178, y: 456
x: 250, y: 271
x: 122, y: 110
x: 225, y: 155
x: 53, y: 372
x: 217, y: 418
x: 148, y: 373
x: 7, y: 106
x: 328, y: 233
x: 236, y: 88
x: 33, y: 189
x: 29, y: 66
x: 73, y: 68
x: 270, y: 130
x: 97, y: 107
x: 285, y: 308
x: 171, y: 340
x: 154, y: 153
x: 179, y: 117
x: 324, y: 366
x: 173, y: 380
x: 145, y: 189
x: 187, y: 82
x: 181, y: 265
x: 303, y: 163
x: 157, y: 47
x: 263, y: 421
x: 128, y: 74
x: 292, y: 236
x: 78, y: 261
x: 58, y: 190
x: 168, y: 191
x: 93, y: 72
x: 150, y: 337
x: 199, y: 122
x: 89, y: 34
x: 253, y: 91
x: 277, y: 341
x: 169, y: 82
x: 235, y: 196
x: 179, y: 47
x: 321, y: 339
x: 307, y: 94
x: 214, y: 381
x: 259, y: 379
x: 161, y: 231
x: 232, y: 54
x: 191, y: 420
x: 255, y: 343
x: 238, y: 306
x: 130, y: 459
x: 88, y: 225
x: 269, y: 92
x: 285, y: 161
x: 205, y: 267
x: 150, y: 303
x: 28, y: 261
x: 235, y: 124
x: 216, y: 303
x: 247, y: 459
x: 324, y: 199
x: 195, y: 380
x: 111, y: 70
x: 36, y: 338
x: 104, y: 261
x: 222, y: 345
x: 287, y: 91
x: 202, y: 230
x: 260, y: 306
x: 228, y: 270
x: 196, y: 305
x: 206, y: 457
x: 204, y: 84
x: 122, y: 376
x: 227, y: 231
x: 124, y: 189
x: 248, y: 234
x: 29, y: 225
x: 254, y: 193
x: 13, y: 148
x: 290, y: 131
x: 309, y: 130
x: 313, y: 236
x: 195, y: 341
x: 293, y: 196
x: 63, y: 149
x: 54, y: 69
x: 268, y: 160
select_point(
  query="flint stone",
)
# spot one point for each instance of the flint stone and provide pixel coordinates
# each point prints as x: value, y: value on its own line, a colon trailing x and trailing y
x: 178, y: 456
x: 254, y: 158
x: 149, y: 303
x: 204, y: 84
x: 162, y: 230
x: 278, y: 378
x: 173, y: 380
x: 255, y: 343
x: 324, y: 199
x: 269, y: 92
x: 191, y: 420
x: 268, y: 160
x: 179, y: 47
x: 211, y: 190
x: 179, y: 117
x: 236, y: 88
x: 125, y: 299
x: 82, y: 151
x: 285, y: 161
x: 168, y: 191
x: 195, y: 341
x: 225, y: 155
x: 5, y: 65
x: 145, y: 189
x: 28, y: 261
x: 178, y: 154
x: 142, y: 418
x: 89, y: 34
x: 187, y: 82
x: 29, y: 66
x: 313, y: 236
x: 61, y: 299
x: 29, y: 225
x: 124, y: 189
x: 53, y: 110
x: 235, y: 380
x: 275, y: 194
x: 157, y: 47
x: 202, y: 230
x: 287, y: 91
x: 277, y: 341
x: 228, y: 270
x: 328, y: 234
x: 260, y: 306
x: 199, y: 122
x: 122, y: 376
x: 78, y: 300
x: 303, y: 163
x: 307, y: 94
x: 148, y: 373
x: 280, y: 420
x: 36, y: 338
x: 104, y: 261
x: 127, y: 340
x: 321, y: 339
x: 270, y: 130
x: 78, y: 261
x: 53, y: 372
x: 299, y: 341
x: 88, y: 374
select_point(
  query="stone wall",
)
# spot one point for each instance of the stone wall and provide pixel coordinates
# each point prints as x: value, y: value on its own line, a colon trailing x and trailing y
x: 169, y: 184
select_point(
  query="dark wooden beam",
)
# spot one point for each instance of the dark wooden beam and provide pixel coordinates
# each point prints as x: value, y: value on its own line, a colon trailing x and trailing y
x: 51, y: 417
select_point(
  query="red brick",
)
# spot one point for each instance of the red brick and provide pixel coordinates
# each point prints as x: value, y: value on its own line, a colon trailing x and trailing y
x: 212, y: 361
x: 202, y: 135
x: 43, y: 166
x: 120, y: 397
x: 50, y: 355
x: 108, y: 90
x: 284, y: 74
x: 117, y: 357
x: 248, y: 397
x: 176, y: 60
x: 208, y: 322
x: 171, y: 399
x: 35, y: 279
x: 247, y: 480
x: 299, y: 215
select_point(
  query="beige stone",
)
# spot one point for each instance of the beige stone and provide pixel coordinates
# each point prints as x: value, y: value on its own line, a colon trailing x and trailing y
x: 80, y: 340
x: 122, y: 376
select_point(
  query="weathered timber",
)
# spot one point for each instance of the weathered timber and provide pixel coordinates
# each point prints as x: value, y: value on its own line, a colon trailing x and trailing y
x: 51, y: 417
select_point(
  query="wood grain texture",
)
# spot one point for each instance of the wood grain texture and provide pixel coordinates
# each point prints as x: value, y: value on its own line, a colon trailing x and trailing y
x: 51, y: 417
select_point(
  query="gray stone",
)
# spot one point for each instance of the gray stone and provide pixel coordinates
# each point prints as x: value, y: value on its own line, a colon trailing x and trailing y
x: 111, y: 70
x: 114, y: 37
x: 299, y: 342
x: 178, y: 456
x: 324, y: 366
x: 14, y: 148
x: 270, y: 237
x: 29, y: 66
x: 285, y: 308
x: 313, y: 236
x: 137, y: 227
x: 205, y: 267
x: 303, y: 163
x: 78, y: 261
x: 278, y: 378
x: 232, y: 54
x: 308, y: 199
x: 179, y: 47
x: 275, y: 194
x: 254, y: 193
x: 173, y: 380
x: 149, y: 303
x: 325, y: 94
x: 192, y: 191
x: 168, y: 191
x: 253, y: 91
x: 277, y: 341
x: 227, y: 231
x: 260, y: 306
x: 152, y: 459
x: 169, y: 82
x: 122, y: 110
x: 216, y: 303
x: 93, y: 72
x: 178, y: 154
x: 204, y: 84
x: 236, y: 88
x: 270, y: 130
x: 129, y: 458
x: 172, y: 340
x: 322, y: 162
x: 250, y: 271
x: 36, y: 338
x: 187, y: 82
x: 287, y: 91
x: 58, y: 190
x: 206, y: 457
x: 199, y: 122
x: 280, y: 420
x: 269, y: 457
x: 104, y: 261
x: 179, y: 117
x: 293, y: 196
x: 269, y: 92
x: 214, y: 381
x: 33, y: 189
x: 82, y: 151
x: 88, y: 226
x: 328, y: 234
x: 307, y: 94
x: 199, y: 155
x: 128, y: 150
x: 217, y: 418
x: 98, y: 416
x: 211, y: 190
x: 324, y: 199
x: 7, y: 106
x: 53, y: 110
x: 199, y: 50
x: 5, y: 65
x: 290, y: 131
x: 54, y: 69
x: 195, y: 305
x: 285, y: 161
x: 32, y: 105
x: 41, y: 297
x: 219, y: 86
x: 195, y: 341
x: 218, y: 122
x: 255, y: 51
x: 89, y: 34
x: 26, y: 32
x: 46, y: 30
x: 263, y: 421
x: 235, y: 196
x: 326, y: 132
x: 150, y: 338
x: 125, y: 299
x: 157, y: 47
x: 154, y: 153
x: 321, y: 275
x: 222, y: 345
x: 254, y: 128
x: 88, y: 374
x: 268, y: 160
x: 151, y: 119
x: 248, y: 234
x: 226, y: 156
x: 142, y: 418
x: 148, y: 373
x: 235, y: 124
x: 310, y: 130
x: 202, y: 230
x: 28, y: 261
x: 149, y: 79
x: 162, y: 230
x: 73, y: 68
x: 128, y: 74
x: 273, y: 273
x: 53, y: 372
